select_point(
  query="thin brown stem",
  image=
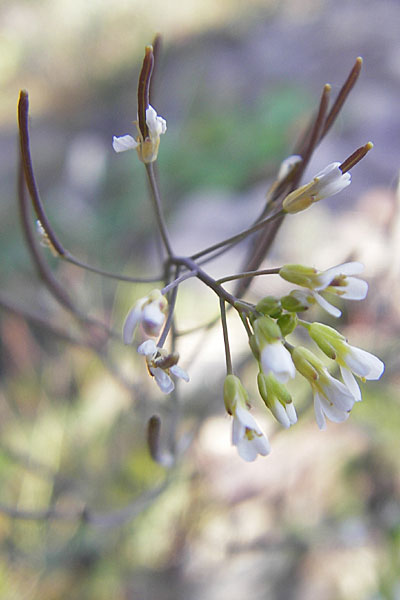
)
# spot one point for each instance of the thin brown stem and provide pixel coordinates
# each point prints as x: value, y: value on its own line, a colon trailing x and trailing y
x: 246, y: 274
x: 342, y: 96
x: 23, y: 115
x: 157, y: 205
x: 239, y: 236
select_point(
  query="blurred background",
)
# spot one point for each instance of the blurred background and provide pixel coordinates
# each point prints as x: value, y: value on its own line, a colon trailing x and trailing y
x: 237, y: 82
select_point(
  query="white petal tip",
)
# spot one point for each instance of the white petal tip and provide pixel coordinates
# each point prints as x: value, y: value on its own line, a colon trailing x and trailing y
x: 123, y: 143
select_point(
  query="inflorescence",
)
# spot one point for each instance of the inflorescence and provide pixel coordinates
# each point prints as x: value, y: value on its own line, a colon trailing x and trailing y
x: 270, y: 322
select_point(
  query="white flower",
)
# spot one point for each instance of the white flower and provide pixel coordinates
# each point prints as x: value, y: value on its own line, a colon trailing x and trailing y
x: 161, y: 365
x: 273, y: 355
x: 277, y: 399
x: 147, y: 148
x: 326, y: 183
x: 349, y: 358
x: 149, y: 312
x: 365, y: 365
x: 246, y: 433
x: 339, y: 281
x: 276, y: 359
x: 332, y: 398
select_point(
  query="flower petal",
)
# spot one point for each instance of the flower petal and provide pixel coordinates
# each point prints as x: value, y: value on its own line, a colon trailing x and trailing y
x: 245, y: 417
x: 364, y: 364
x: 147, y: 348
x: 152, y: 319
x: 163, y: 380
x: 333, y: 412
x: 332, y: 310
x: 291, y: 413
x: 132, y: 319
x: 349, y: 268
x: 319, y: 414
x: 123, y: 143
x: 354, y: 289
x: 280, y: 414
x: 337, y: 393
x: 276, y: 359
x: 351, y: 383
x: 238, y: 431
x: 262, y: 444
x: 156, y: 124
x: 247, y: 449
x: 179, y: 372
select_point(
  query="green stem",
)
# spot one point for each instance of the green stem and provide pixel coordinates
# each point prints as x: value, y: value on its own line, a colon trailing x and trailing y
x: 228, y: 358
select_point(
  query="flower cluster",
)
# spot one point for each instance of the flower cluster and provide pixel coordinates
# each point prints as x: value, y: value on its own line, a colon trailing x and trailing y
x: 271, y: 321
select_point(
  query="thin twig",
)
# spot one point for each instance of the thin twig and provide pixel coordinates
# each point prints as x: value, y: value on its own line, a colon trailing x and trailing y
x: 343, y: 95
x: 245, y: 274
x: 235, y: 239
x: 157, y: 206
x: 228, y: 357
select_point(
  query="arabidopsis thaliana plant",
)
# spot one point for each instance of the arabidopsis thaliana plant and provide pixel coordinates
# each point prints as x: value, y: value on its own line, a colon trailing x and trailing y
x: 326, y: 183
x: 149, y: 312
x: 247, y: 435
x: 147, y: 148
x: 162, y: 365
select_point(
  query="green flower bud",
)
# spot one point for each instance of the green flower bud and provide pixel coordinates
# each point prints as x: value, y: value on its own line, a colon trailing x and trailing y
x: 269, y: 306
x: 328, y: 339
x: 266, y: 331
x: 234, y: 393
x: 277, y: 399
x: 297, y: 301
x: 299, y: 274
x: 307, y: 363
x: 287, y: 323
